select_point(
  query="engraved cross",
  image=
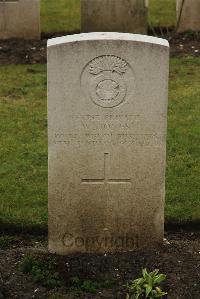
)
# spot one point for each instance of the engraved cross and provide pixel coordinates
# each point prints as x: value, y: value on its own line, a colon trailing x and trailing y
x: 105, y: 180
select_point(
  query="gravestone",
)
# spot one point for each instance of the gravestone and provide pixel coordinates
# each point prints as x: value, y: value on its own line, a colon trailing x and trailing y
x: 20, y: 19
x: 111, y: 15
x: 107, y: 118
x: 190, y: 15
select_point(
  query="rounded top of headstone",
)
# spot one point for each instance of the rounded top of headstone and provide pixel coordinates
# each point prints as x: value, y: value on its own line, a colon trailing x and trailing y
x: 107, y: 36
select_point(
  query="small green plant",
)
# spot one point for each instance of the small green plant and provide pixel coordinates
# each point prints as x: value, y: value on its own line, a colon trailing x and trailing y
x: 89, y: 286
x: 192, y: 34
x: 6, y: 241
x: 146, y: 286
x: 42, y: 271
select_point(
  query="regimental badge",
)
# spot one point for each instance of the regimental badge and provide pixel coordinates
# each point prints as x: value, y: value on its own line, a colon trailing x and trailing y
x: 106, y: 82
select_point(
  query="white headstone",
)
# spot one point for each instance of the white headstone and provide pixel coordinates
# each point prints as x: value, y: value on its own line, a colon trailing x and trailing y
x: 111, y: 15
x: 188, y: 11
x: 107, y: 119
x: 20, y: 19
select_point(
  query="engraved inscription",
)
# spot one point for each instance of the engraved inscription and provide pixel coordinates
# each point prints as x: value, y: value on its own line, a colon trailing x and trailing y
x: 105, y: 122
x: 104, y: 80
x: 144, y: 140
x: 105, y: 179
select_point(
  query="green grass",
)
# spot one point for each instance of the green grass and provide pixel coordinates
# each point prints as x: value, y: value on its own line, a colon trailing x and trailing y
x: 183, y: 170
x: 60, y: 15
x: 23, y: 149
x: 162, y: 13
x: 64, y: 15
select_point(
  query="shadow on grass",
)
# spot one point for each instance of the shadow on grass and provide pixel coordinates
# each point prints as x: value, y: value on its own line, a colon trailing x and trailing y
x: 41, y: 230
x: 34, y: 230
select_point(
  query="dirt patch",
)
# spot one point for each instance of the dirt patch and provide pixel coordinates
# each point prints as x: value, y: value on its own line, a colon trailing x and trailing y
x: 17, y: 51
x: 184, y: 45
x: 178, y: 258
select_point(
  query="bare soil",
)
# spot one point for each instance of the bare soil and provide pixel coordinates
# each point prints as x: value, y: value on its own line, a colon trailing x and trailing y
x: 16, y: 51
x: 178, y: 258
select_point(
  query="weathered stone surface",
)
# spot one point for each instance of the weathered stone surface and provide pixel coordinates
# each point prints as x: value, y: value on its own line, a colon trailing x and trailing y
x: 111, y: 15
x: 190, y: 17
x: 20, y: 19
x: 107, y: 118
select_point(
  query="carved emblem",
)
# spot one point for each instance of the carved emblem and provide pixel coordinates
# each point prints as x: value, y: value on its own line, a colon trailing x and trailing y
x: 108, y: 63
x: 105, y: 78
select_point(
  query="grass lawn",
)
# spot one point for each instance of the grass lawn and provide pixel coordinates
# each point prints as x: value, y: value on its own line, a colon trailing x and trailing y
x: 23, y: 150
x: 183, y: 159
x: 162, y: 13
x: 64, y: 15
x: 60, y: 15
